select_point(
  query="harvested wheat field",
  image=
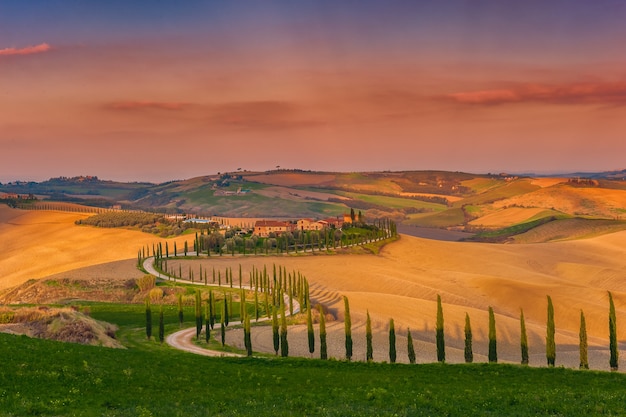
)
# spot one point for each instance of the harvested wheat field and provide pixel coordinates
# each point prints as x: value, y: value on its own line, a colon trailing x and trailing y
x: 401, y: 283
x: 36, y: 244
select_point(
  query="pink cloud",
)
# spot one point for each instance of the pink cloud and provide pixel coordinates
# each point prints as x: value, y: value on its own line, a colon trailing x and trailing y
x: 138, y: 105
x: 36, y: 49
x: 575, y: 93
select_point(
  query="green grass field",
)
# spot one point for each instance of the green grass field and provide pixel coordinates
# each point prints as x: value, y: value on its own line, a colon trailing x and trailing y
x: 450, y: 217
x: 46, y: 378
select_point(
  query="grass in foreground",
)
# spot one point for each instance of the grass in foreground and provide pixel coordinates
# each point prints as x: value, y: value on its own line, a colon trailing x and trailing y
x: 47, y: 378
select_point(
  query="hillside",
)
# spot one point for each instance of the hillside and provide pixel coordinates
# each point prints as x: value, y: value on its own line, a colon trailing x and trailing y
x: 435, y: 199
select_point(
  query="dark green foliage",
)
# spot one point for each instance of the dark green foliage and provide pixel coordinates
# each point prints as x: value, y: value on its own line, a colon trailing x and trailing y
x: 284, y: 344
x: 161, y: 325
x: 584, y: 362
x: 523, y: 338
x: 180, y: 309
x: 275, y: 333
x: 369, y: 348
x: 392, y: 342
x: 348, y: 328
x: 441, y: 344
x: 211, y: 304
x: 614, y: 358
x: 410, y: 347
x: 226, y: 310
x: 247, y: 339
x: 310, y: 332
x: 198, y: 310
x: 550, y: 330
x: 493, y: 349
x: 207, y: 321
x: 323, y: 347
x: 148, y: 319
x: 469, y: 353
x: 223, y: 324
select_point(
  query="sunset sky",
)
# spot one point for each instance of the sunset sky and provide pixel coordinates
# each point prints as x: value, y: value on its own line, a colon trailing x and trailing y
x: 160, y: 90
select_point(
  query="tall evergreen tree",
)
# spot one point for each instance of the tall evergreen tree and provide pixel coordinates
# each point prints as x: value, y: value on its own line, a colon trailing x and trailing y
x: 198, y: 311
x: 246, y: 335
x: 614, y: 359
x: 493, y: 349
x: 275, y: 334
x: 469, y: 353
x: 180, y: 309
x: 148, y: 319
x: 369, y: 352
x: 207, y: 321
x: 584, y: 362
x: 392, y: 342
x: 410, y: 347
x: 441, y: 344
x: 309, y: 330
x: 550, y: 330
x: 226, y: 310
x: 223, y: 323
x: 323, y: 347
x: 348, y: 328
x: 284, y: 344
x: 161, y: 325
x: 211, y: 309
x: 523, y: 338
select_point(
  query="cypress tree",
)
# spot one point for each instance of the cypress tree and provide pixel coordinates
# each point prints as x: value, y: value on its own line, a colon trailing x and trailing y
x: 256, y: 305
x: 441, y: 344
x: 323, y: 348
x: 584, y: 363
x: 550, y: 330
x: 410, y: 347
x: 614, y: 359
x: 180, y: 309
x: 247, y: 339
x: 523, y: 338
x: 392, y: 342
x: 222, y: 323
x: 198, y: 310
x: 369, y: 352
x: 309, y: 330
x: 469, y: 353
x: 275, y: 335
x: 211, y: 302
x: 284, y: 344
x: 226, y: 310
x: 207, y: 321
x: 348, y: 328
x: 148, y: 319
x: 493, y: 350
x: 161, y: 325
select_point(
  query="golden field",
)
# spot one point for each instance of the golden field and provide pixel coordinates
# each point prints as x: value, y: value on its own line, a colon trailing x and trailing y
x: 402, y: 283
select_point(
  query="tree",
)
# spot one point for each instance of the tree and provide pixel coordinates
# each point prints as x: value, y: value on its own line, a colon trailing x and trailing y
x: 275, y: 335
x: 584, y: 362
x: 352, y: 215
x: 161, y: 325
x: 211, y: 303
x: 198, y: 311
x: 550, y: 330
x: 207, y: 321
x: 392, y: 342
x: 523, y: 338
x: 222, y: 323
x: 180, y: 309
x: 348, y: 328
x: 493, y: 349
x: 410, y: 347
x: 614, y: 359
x: 148, y: 319
x: 323, y: 348
x: 309, y: 330
x: 247, y: 339
x: 469, y: 353
x: 441, y: 344
x: 227, y: 309
x: 284, y: 344
x: 369, y: 354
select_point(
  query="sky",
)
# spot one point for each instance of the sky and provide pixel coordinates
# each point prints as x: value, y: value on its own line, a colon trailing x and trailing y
x: 159, y: 90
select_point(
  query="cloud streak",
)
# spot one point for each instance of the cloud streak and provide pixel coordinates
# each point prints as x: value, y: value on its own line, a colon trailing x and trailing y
x: 144, y: 104
x: 574, y: 93
x: 29, y: 50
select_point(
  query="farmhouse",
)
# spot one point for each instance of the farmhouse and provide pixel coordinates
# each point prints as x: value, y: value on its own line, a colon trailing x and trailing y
x: 310, y: 224
x: 263, y: 228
